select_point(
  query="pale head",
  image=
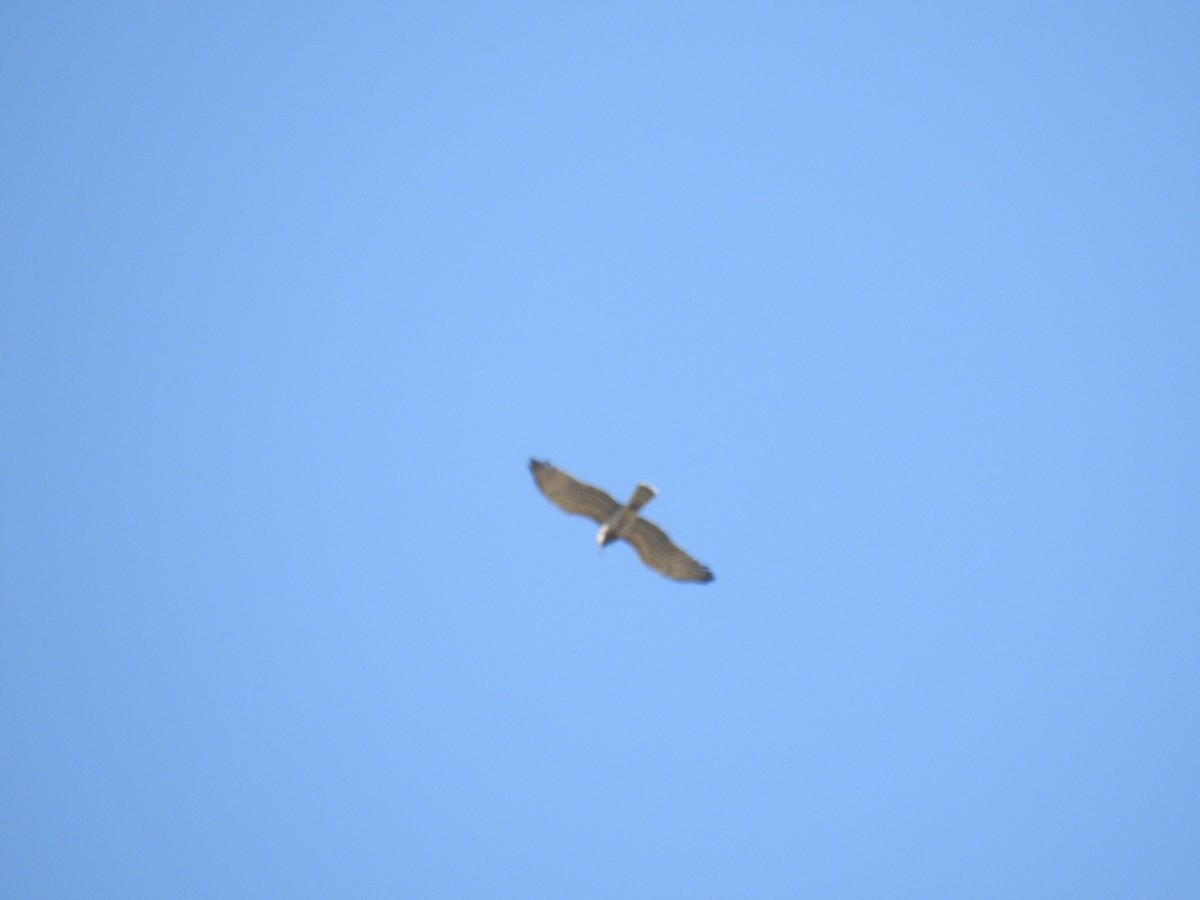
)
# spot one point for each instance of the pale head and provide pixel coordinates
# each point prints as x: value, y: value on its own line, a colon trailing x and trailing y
x: 604, y: 536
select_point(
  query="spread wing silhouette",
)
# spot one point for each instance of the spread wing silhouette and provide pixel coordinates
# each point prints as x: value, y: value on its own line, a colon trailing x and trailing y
x: 659, y: 552
x: 571, y: 495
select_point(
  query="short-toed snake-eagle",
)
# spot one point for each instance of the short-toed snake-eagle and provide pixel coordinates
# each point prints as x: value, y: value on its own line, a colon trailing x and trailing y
x: 617, y: 521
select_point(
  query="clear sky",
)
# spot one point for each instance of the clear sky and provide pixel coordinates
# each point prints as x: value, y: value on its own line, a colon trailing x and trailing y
x: 898, y: 305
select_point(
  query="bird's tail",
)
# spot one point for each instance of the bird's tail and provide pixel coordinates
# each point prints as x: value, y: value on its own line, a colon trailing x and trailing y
x: 643, y: 495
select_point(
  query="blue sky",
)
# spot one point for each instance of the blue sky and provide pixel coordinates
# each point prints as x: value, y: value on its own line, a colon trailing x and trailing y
x: 895, y: 304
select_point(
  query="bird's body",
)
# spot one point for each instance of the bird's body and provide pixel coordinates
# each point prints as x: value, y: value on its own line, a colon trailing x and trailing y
x: 616, y: 525
x: 619, y: 521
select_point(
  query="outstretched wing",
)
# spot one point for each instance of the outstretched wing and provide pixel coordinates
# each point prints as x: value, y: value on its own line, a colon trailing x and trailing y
x: 570, y: 494
x: 659, y: 552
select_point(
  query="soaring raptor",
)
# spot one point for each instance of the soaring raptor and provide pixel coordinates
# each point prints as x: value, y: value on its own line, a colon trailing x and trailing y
x: 616, y: 521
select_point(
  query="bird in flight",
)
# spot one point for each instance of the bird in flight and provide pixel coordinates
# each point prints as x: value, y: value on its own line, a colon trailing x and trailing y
x: 616, y: 521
